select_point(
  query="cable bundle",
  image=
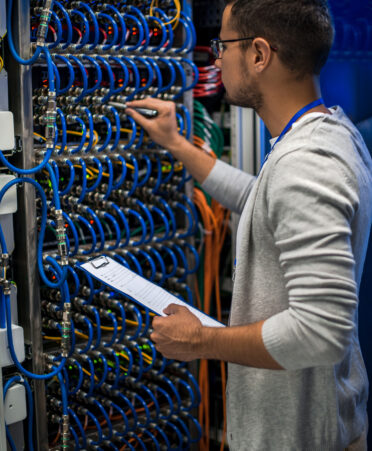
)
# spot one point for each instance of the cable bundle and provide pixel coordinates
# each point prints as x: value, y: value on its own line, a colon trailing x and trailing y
x: 103, y: 187
x: 210, y: 81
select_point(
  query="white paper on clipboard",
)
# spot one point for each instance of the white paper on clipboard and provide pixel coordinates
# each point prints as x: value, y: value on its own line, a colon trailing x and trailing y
x: 122, y: 279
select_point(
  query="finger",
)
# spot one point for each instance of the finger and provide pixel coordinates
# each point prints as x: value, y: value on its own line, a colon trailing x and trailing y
x: 171, y: 309
x: 139, y: 118
x: 149, y: 102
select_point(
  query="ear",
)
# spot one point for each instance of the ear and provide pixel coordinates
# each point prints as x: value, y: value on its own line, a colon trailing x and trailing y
x: 262, y: 54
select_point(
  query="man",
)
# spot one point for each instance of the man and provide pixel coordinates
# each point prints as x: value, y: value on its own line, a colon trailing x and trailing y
x: 297, y: 380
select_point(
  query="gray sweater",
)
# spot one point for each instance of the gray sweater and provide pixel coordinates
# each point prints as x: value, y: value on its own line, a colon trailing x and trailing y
x: 302, y: 242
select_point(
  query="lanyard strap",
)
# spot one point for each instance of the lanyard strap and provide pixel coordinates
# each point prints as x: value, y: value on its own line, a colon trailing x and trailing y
x: 300, y: 113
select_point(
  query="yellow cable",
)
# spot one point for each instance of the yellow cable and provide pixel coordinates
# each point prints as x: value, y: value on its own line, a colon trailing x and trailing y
x: 52, y: 338
x: 1, y: 64
x: 89, y: 374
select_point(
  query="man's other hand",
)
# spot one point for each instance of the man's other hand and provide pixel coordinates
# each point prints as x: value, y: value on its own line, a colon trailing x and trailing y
x: 178, y: 335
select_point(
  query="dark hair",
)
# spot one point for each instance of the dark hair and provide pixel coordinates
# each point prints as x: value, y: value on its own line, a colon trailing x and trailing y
x: 301, y: 30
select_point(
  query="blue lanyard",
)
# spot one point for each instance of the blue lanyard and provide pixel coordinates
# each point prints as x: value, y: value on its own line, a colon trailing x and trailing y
x: 294, y: 119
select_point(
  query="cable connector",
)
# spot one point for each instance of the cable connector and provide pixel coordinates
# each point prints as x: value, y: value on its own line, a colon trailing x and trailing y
x: 65, y: 432
x: 44, y: 23
x: 61, y: 237
x: 66, y: 330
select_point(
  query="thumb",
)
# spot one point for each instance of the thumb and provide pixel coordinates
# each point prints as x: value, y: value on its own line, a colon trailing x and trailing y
x: 171, y: 309
x: 139, y: 118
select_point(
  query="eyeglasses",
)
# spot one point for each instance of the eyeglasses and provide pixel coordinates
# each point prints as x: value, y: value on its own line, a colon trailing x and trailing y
x: 217, y: 45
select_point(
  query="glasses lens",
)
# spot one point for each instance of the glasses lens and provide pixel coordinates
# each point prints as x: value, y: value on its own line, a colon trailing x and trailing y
x: 215, y: 48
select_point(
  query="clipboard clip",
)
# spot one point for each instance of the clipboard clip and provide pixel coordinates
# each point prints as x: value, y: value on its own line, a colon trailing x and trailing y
x: 99, y: 262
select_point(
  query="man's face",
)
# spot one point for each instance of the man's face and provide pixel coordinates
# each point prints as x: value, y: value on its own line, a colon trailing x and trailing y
x: 241, y: 87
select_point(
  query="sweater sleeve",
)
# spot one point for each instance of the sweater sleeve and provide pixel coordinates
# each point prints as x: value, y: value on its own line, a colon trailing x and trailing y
x: 311, y: 204
x: 229, y: 186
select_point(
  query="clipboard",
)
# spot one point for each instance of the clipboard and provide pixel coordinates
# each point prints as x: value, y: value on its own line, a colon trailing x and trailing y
x: 140, y: 290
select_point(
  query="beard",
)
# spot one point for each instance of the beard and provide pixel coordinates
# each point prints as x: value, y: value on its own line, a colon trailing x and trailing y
x: 248, y: 94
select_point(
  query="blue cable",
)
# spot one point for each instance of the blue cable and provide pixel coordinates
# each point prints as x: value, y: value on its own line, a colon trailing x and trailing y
x: 117, y: 231
x: 122, y: 24
x: 93, y: 234
x: 162, y: 265
x: 178, y: 433
x: 145, y: 179
x: 124, y: 222
x: 64, y: 131
x: 158, y: 77
x: 182, y: 74
x: 79, y: 425
x: 75, y: 436
x: 172, y: 219
x: 98, y: 327
x: 172, y: 72
x: 37, y: 168
x: 99, y: 175
x: 110, y: 76
x: 84, y: 181
x: 83, y: 136
x: 110, y: 179
x: 190, y: 228
x: 68, y: 22
x: 150, y: 72
x: 142, y: 239
x: 120, y: 395
x: 187, y: 116
x: 107, y: 418
x: 198, y: 427
x: 117, y: 126
x: 169, y: 29
x: 150, y: 261
x: 114, y: 27
x: 196, y: 257
x: 166, y: 223
x: 97, y: 222
x: 125, y: 418
x: 163, y: 33
x: 98, y: 72
x: 169, y: 400
x: 115, y: 332
x: 84, y: 77
x: 59, y: 30
x: 90, y: 336
x: 188, y: 39
x: 76, y: 280
x: 86, y: 28
x: 11, y: 42
x: 12, y: 350
x: 146, y: 39
x: 121, y: 179
x: 137, y: 266
x: 98, y: 426
x: 195, y: 73
x: 72, y: 227
x: 71, y: 74
x: 91, y: 128
x: 162, y: 433
x: 133, y: 135
x: 141, y: 33
x: 136, y: 76
x: 125, y: 72
x: 134, y: 309
x: 192, y: 30
x: 95, y: 24
x: 42, y: 228
x: 80, y: 379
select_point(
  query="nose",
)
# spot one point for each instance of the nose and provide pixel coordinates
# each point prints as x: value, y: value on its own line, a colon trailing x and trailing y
x: 217, y: 63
